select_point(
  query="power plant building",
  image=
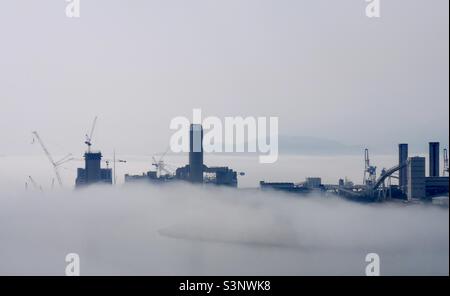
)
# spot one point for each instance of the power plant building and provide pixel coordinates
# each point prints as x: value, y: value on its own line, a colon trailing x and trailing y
x: 413, y: 184
x: 196, y: 171
x: 416, y: 178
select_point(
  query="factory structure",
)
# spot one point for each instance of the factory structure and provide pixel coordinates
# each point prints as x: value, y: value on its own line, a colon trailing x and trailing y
x: 310, y: 185
x: 195, y: 172
x: 413, y: 183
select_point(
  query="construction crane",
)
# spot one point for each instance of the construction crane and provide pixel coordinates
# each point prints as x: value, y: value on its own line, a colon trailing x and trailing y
x: 446, y: 169
x: 107, y: 161
x: 160, y: 165
x: 55, y: 164
x: 88, y: 141
x: 35, y: 185
x: 370, y: 172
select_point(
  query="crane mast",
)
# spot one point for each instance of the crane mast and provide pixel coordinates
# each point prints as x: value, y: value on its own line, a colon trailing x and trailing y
x: 160, y: 165
x: 88, y: 141
x: 50, y: 158
x: 370, y: 172
x: 35, y: 185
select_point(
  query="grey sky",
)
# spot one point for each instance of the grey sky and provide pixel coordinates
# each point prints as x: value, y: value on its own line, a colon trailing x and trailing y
x: 322, y: 66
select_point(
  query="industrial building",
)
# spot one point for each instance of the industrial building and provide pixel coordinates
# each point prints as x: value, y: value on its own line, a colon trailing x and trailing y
x: 416, y: 178
x: 150, y: 176
x: 311, y: 184
x: 210, y: 175
x: 421, y: 186
x: 196, y: 171
x: 413, y: 184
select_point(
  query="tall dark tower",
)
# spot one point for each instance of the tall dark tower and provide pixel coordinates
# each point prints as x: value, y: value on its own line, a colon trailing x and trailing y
x: 196, y: 153
x: 403, y: 172
x: 434, y: 159
x: 92, y: 165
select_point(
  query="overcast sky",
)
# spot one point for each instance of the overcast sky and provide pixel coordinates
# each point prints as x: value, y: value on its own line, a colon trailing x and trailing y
x: 322, y: 66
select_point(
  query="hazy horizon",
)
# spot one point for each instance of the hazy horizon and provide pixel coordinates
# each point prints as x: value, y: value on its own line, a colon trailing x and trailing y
x: 322, y: 67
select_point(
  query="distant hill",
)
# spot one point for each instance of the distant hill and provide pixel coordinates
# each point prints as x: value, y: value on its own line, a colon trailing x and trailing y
x: 303, y: 145
x: 315, y: 146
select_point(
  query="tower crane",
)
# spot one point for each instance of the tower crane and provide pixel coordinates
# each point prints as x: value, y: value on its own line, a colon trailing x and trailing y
x: 107, y: 161
x: 35, y: 185
x: 370, y: 172
x: 160, y: 165
x: 88, y: 141
x: 446, y: 169
x: 55, y: 164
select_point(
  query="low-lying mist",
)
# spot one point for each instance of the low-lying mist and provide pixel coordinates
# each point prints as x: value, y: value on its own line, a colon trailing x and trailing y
x: 179, y: 229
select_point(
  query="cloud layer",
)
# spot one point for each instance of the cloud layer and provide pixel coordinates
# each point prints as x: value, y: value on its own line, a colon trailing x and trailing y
x: 184, y: 230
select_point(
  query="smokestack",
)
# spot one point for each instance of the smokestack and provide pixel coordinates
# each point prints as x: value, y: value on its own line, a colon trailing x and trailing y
x: 403, y: 173
x: 434, y: 159
x: 196, y: 153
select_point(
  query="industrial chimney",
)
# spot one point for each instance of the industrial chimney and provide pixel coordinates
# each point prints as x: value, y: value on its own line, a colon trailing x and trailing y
x: 403, y: 172
x: 196, y: 153
x: 434, y: 159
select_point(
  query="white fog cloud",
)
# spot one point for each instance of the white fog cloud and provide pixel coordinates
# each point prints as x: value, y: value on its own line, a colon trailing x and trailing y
x: 183, y: 230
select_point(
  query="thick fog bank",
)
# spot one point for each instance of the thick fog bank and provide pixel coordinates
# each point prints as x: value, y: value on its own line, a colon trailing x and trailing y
x: 185, y: 230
